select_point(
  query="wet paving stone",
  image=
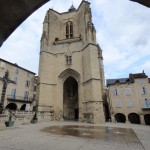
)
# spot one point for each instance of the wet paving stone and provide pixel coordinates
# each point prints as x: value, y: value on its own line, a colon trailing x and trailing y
x: 115, y: 136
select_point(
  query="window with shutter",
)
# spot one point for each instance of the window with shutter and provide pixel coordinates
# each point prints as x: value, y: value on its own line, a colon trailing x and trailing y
x: 127, y: 91
x: 118, y: 104
x: 129, y: 103
x: 13, y: 93
x: 146, y: 103
x: 116, y: 92
x: 17, y: 71
x: 143, y: 90
x: 26, y: 95
x: 15, y: 79
x: 27, y: 83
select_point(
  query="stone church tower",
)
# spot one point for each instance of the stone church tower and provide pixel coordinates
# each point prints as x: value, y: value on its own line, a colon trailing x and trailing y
x: 71, y: 76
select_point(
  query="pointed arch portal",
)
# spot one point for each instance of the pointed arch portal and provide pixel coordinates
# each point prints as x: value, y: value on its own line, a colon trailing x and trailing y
x: 70, y: 99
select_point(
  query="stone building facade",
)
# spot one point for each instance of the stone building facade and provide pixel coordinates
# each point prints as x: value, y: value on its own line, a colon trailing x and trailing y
x: 19, y: 94
x: 129, y: 99
x: 71, y: 76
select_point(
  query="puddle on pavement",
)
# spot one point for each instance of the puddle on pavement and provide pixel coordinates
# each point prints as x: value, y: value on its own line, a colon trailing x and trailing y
x: 117, y: 136
x: 108, y: 134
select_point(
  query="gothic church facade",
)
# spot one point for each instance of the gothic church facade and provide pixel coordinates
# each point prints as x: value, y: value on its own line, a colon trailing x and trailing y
x: 71, y: 76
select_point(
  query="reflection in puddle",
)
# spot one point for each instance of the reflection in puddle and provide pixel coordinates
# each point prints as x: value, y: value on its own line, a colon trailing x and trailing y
x: 85, y: 134
x: 107, y: 134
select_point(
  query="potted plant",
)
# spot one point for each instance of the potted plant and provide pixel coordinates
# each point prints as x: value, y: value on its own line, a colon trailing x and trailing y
x: 10, y: 122
x: 34, y: 119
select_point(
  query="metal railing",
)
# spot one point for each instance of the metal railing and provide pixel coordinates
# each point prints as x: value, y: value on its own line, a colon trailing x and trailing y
x: 19, y: 98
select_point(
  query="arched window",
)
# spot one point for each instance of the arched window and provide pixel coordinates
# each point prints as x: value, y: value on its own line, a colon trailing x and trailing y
x: 69, y: 30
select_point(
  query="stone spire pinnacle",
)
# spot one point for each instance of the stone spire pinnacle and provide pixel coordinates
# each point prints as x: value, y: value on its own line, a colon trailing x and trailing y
x: 72, y: 8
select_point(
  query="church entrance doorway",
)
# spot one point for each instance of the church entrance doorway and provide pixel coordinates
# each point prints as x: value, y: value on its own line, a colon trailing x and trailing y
x: 70, y: 99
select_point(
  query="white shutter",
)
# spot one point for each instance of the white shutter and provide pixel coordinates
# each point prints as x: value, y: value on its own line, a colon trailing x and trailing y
x: 15, y: 79
x: 129, y: 103
x: 127, y: 91
x: 13, y: 93
x: 26, y: 95
x: 149, y: 103
x: 144, y: 90
x: 114, y: 92
x: 146, y: 103
x: 27, y: 107
x: 118, y: 92
x: 117, y: 104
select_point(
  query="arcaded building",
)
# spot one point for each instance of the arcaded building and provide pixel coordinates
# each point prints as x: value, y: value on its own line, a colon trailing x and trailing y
x: 19, y: 94
x: 71, y: 76
x: 129, y: 99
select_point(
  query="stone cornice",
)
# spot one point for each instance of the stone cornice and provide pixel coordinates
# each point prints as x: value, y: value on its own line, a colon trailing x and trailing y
x: 44, y: 51
x: 64, y: 41
x: 92, y: 101
x: 52, y: 84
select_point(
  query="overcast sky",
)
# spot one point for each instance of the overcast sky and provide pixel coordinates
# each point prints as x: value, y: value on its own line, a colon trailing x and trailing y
x: 123, y: 33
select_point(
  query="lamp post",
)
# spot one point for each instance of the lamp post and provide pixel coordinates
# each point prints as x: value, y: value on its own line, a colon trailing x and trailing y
x: 5, y: 82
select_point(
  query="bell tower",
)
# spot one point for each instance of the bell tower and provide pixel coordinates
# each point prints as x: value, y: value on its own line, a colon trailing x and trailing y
x: 70, y: 72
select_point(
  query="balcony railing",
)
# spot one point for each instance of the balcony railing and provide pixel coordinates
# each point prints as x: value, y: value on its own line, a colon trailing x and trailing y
x: 19, y: 99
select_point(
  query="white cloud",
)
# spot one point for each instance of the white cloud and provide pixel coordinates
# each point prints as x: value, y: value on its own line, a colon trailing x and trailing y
x: 124, y: 35
x: 122, y: 32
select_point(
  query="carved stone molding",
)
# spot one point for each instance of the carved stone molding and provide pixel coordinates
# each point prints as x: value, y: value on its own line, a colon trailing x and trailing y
x: 69, y: 72
x: 76, y: 39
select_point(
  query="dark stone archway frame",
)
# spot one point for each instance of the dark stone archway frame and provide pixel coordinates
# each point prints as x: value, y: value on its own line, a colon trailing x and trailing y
x: 147, y: 119
x: 119, y: 117
x: 13, y: 13
x: 12, y: 106
x: 134, y: 118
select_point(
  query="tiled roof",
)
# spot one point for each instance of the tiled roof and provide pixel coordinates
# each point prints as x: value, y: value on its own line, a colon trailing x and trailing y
x: 120, y: 80
x: 124, y: 80
x: 138, y: 75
